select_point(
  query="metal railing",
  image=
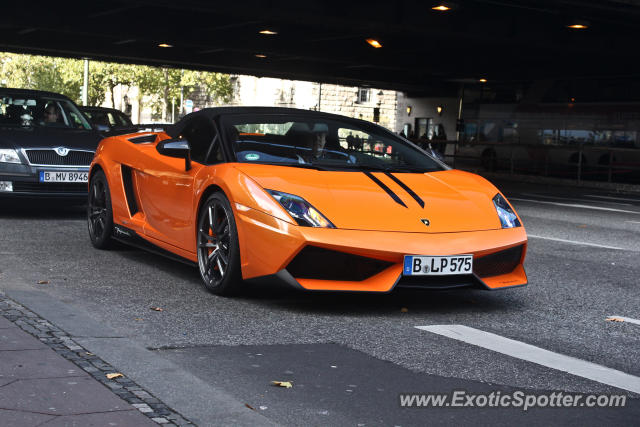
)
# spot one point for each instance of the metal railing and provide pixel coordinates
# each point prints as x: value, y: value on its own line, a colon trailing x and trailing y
x: 579, y: 162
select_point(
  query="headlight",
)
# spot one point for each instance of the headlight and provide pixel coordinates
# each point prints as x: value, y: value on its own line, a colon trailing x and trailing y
x: 301, y: 210
x: 8, y: 155
x: 507, y: 216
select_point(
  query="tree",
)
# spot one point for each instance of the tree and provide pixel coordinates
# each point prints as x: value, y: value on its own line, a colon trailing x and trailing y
x: 66, y: 76
x: 167, y: 84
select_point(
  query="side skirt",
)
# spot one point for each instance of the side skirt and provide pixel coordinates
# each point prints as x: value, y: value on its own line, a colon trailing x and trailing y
x: 129, y: 237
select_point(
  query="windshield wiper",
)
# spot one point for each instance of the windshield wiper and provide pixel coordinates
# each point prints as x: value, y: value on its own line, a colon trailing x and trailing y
x: 295, y: 165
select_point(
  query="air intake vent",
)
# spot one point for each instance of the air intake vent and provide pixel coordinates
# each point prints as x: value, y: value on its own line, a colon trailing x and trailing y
x: 127, y: 182
x: 498, y: 263
x: 323, y: 264
x: 144, y: 139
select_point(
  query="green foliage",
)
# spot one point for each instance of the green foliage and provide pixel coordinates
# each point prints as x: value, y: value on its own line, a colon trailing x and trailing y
x: 65, y: 76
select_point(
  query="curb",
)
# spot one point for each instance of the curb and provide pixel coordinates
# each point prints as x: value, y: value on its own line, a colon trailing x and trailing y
x: 60, y: 342
x: 190, y: 397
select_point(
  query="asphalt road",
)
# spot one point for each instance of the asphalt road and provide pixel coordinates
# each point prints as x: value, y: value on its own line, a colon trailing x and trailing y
x: 350, y: 355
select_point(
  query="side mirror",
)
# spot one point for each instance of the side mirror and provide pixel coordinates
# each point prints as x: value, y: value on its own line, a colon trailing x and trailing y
x: 178, y: 148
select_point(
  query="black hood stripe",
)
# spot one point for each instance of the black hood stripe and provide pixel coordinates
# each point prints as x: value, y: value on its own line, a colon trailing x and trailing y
x: 393, y: 195
x: 407, y: 189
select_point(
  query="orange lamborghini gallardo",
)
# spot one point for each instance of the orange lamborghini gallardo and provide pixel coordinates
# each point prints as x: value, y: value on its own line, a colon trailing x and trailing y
x: 318, y: 201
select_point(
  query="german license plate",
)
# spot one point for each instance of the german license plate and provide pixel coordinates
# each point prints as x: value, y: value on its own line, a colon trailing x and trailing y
x: 63, y: 176
x: 437, y: 265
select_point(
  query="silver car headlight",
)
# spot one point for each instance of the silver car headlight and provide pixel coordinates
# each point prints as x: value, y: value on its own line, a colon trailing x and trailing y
x: 508, y: 217
x: 301, y: 210
x: 9, y: 155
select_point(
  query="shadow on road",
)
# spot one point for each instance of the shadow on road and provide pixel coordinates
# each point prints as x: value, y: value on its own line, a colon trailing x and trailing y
x: 400, y: 301
x: 282, y: 298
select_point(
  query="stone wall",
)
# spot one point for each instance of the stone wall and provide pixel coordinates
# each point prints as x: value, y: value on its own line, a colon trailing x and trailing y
x: 250, y: 90
x: 344, y: 100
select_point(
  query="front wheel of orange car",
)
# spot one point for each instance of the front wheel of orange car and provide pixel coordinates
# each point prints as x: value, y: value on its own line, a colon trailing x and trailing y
x: 218, y: 248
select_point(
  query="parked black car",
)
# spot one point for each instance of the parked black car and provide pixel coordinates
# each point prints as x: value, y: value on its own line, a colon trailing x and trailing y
x: 109, y: 120
x: 46, y: 145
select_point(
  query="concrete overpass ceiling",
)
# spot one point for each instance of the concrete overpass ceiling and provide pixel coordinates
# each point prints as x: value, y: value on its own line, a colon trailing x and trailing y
x: 422, y: 49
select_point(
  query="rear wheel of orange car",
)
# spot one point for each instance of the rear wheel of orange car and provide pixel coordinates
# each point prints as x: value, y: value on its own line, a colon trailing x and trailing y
x: 99, y: 214
x: 218, y: 248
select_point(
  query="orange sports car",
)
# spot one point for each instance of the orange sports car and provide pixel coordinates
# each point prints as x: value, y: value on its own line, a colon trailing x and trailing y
x: 319, y: 201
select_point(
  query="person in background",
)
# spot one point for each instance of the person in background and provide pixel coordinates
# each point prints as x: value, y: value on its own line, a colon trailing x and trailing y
x: 441, y: 137
x: 51, y: 113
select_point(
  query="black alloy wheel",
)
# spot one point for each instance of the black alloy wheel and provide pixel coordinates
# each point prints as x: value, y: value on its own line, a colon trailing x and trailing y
x: 218, y: 248
x: 99, y: 213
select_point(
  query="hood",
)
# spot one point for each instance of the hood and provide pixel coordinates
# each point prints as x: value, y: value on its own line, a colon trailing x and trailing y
x: 48, y: 137
x: 453, y: 201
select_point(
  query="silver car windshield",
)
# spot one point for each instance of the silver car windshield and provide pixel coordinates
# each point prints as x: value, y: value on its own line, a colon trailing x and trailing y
x: 23, y: 111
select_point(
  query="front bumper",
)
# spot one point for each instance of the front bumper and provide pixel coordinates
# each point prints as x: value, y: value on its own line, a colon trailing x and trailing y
x: 269, y: 247
x: 25, y: 182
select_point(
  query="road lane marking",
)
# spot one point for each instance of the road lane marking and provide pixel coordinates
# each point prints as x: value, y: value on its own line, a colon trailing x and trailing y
x: 633, y: 222
x: 626, y: 319
x: 540, y: 356
x: 573, y: 199
x: 574, y: 205
x: 612, y: 198
x: 575, y: 242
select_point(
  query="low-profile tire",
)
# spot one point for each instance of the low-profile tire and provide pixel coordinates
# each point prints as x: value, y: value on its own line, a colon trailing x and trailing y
x: 218, y: 247
x: 99, y: 213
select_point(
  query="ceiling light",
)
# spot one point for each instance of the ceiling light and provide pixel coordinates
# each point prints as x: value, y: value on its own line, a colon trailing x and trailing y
x: 439, y: 110
x: 375, y: 43
x: 260, y: 55
x: 482, y: 80
x: 578, y: 25
x: 165, y: 45
x: 441, y: 8
x: 268, y: 32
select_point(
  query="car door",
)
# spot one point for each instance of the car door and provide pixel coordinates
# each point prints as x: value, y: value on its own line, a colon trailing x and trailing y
x: 167, y: 190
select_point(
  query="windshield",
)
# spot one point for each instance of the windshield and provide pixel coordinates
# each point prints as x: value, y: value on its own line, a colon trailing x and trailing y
x: 107, y: 118
x: 36, y: 111
x: 324, y: 143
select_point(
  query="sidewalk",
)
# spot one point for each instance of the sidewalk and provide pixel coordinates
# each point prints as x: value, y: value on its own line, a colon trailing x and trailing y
x: 40, y: 385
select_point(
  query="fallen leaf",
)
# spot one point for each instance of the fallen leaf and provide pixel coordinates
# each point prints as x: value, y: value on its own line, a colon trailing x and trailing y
x: 614, y: 319
x: 43, y: 282
x: 156, y: 308
x: 285, y: 384
x: 582, y: 226
x: 114, y: 375
x: 404, y: 310
x: 138, y: 318
x: 89, y: 354
x: 249, y: 406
